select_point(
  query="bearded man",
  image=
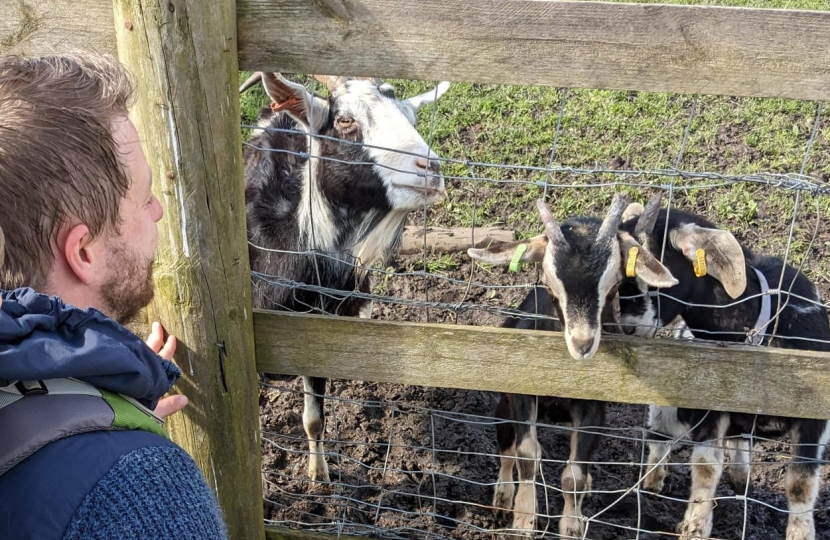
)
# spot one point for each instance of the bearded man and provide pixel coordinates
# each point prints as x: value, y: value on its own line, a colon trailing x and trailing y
x: 83, y: 452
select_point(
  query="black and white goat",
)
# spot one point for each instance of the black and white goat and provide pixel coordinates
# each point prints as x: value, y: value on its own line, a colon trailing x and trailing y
x: 582, y: 268
x: 736, y: 281
x: 369, y: 168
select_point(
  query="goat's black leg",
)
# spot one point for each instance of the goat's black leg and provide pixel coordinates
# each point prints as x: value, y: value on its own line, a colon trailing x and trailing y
x: 802, y: 482
x: 506, y: 438
x: 528, y: 453
x: 576, y: 476
x: 707, y: 467
x: 314, y: 422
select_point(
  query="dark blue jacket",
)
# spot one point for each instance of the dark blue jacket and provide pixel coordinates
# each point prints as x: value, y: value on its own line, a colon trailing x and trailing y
x: 104, y: 484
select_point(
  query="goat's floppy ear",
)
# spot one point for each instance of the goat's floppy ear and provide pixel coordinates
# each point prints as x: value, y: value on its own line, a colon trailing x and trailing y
x: 502, y: 254
x: 639, y: 262
x: 294, y: 99
x: 715, y: 252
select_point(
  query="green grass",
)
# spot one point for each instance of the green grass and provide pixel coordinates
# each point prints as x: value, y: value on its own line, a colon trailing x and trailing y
x: 516, y: 125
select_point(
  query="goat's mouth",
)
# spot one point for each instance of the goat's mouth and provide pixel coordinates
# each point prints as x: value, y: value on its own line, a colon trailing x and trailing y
x: 628, y: 330
x: 423, y: 190
x: 639, y: 329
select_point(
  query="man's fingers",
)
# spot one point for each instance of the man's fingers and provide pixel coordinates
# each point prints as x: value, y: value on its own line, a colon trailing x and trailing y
x: 156, y: 338
x: 169, y: 348
x: 170, y: 405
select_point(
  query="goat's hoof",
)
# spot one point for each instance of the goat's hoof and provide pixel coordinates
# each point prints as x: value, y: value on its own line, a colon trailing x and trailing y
x: 654, y: 482
x: 503, y: 500
x: 318, y: 471
x: 571, y: 528
x: 688, y: 530
x: 523, y: 526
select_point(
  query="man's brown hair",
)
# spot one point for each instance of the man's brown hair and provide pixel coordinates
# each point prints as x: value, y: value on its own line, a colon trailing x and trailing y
x: 58, y: 159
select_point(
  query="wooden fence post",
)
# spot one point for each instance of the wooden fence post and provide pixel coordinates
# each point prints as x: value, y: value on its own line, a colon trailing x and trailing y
x: 183, y: 56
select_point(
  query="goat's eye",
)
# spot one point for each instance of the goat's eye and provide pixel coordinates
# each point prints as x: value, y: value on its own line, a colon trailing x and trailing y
x: 345, y: 122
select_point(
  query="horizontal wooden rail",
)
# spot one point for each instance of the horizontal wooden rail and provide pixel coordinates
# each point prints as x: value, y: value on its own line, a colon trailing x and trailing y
x: 274, y: 532
x: 662, y: 48
x: 40, y: 27
x: 648, y: 47
x: 737, y: 378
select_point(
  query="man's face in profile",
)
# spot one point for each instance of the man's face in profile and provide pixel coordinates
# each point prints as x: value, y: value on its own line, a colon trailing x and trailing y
x: 128, y: 286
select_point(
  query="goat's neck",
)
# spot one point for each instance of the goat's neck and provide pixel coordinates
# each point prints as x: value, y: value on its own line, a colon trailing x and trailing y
x: 318, y: 229
x: 376, y: 243
x: 735, y: 318
x: 366, y: 238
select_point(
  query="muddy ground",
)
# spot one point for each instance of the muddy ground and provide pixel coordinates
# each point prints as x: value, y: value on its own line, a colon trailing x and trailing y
x: 447, y: 493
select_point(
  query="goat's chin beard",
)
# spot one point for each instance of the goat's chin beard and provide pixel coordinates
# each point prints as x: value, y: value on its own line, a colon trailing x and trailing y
x: 129, y: 285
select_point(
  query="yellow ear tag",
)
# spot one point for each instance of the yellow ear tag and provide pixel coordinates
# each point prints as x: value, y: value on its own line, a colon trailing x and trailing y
x: 632, y: 260
x: 516, y: 261
x: 700, y: 265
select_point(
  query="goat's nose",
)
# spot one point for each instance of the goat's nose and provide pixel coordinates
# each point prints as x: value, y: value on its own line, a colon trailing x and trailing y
x: 629, y: 329
x: 582, y: 346
x: 432, y: 166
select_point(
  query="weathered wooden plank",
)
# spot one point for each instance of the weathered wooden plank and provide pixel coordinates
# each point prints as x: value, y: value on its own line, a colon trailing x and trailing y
x: 662, y: 48
x: 649, y: 47
x: 273, y: 532
x: 184, y: 59
x: 40, y: 27
x: 439, y: 239
x: 625, y: 369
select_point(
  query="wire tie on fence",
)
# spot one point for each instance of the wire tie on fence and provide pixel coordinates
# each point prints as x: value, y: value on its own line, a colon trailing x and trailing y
x: 632, y: 260
x: 516, y: 261
x: 700, y: 264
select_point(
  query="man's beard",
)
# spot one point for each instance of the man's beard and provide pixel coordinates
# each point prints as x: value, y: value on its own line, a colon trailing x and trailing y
x: 129, y: 285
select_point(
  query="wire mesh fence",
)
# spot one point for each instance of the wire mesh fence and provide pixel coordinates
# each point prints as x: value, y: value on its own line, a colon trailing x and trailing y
x: 411, y: 462
x: 406, y: 463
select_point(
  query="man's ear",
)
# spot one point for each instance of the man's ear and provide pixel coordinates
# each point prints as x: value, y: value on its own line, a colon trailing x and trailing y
x: 79, y: 251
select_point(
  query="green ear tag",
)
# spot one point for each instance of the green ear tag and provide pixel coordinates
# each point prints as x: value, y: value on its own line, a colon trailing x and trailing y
x: 516, y: 262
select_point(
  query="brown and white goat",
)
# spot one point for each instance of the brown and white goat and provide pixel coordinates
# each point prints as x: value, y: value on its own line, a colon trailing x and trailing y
x: 328, y: 186
x: 582, y: 268
x: 722, y: 302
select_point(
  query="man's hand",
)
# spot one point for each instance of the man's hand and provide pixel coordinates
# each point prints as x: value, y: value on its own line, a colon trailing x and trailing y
x: 171, y: 404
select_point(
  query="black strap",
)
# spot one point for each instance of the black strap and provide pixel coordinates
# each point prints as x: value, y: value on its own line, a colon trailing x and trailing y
x: 31, y: 388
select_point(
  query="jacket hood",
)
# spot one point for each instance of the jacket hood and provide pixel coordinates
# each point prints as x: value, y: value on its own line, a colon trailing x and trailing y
x: 43, y: 338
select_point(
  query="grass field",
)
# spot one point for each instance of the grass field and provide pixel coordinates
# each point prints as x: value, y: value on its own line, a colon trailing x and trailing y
x: 516, y: 126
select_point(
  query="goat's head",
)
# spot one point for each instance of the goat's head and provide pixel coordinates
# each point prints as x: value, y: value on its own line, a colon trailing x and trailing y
x: 396, y: 169
x: 582, y: 266
x: 691, y: 252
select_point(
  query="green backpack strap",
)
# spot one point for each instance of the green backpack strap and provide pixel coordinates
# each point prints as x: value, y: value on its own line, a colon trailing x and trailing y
x: 35, y: 413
